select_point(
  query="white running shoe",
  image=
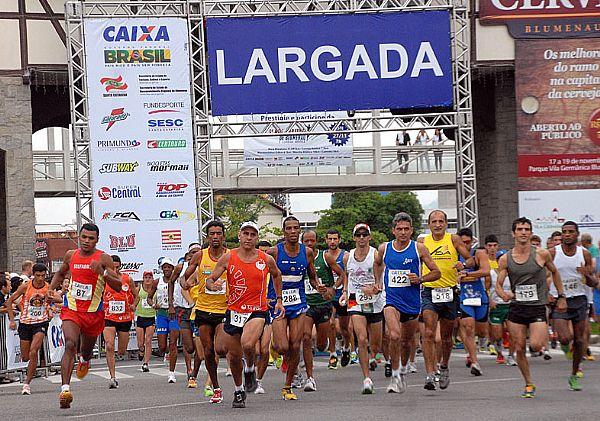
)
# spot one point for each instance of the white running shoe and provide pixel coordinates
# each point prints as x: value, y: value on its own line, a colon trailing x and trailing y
x: 511, y: 361
x: 172, y: 378
x: 412, y: 367
x: 394, y: 386
x: 259, y: 388
x: 310, y: 385
x: 367, y: 387
x: 26, y: 390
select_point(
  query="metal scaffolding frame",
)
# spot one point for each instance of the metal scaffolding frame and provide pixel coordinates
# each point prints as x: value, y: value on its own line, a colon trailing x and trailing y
x: 207, y: 127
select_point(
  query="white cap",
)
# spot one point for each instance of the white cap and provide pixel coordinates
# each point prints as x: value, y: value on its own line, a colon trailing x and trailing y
x: 194, y: 246
x: 361, y: 226
x: 249, y: 224
x: 167, y: 261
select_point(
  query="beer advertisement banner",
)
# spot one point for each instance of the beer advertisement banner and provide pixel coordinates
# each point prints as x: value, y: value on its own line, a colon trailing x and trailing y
x: 141, y: 139
x: 558, y: 114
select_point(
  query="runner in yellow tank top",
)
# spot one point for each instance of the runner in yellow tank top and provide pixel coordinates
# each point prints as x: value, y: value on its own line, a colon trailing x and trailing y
x: 439, y: 299
x: 209, y: 312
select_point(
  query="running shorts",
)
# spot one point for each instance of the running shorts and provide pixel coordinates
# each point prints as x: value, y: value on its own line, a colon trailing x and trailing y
x: 499, y: 314
x: 404, y: 317
x: 90, y: 324
x: 211, y: 319
x: 479, y: 313
x: 371, y: 317
x: 183, y: 317
x: 236, y: 330
x: 577, y: 310
x: 295, y: 313
x: 339, y: 309
x: 144, y: 322
x: 120, y: 326
x: 28, y: 331
x: 164, y: 325
x: 525, y: 315
x: 320, y: 314
x: 446, y: 311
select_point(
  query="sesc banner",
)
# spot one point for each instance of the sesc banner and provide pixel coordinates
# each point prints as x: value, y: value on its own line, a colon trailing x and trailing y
x: 329, y: 62
x: 141, y: 139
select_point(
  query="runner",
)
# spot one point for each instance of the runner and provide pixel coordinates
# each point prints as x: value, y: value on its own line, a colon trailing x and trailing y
x: 82, y: 313
x: 294, y: 261
x: 526, y: 268
x: 365, y: 298
x: 474, y: 300
x: 400, y: 263
x: 263, y: 347
x: 247, y: 307
x: 33, y: 321
x: 319, y: 305
x: 166, y: 322
x: 211, y: 306
x: 340, y: 321
x: 145, y: 320
x: 118, y: 315
x: 439, y: 299
x: 574, y: 264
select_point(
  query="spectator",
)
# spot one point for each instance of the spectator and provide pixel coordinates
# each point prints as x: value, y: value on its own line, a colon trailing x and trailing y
x: 27, y: 270
x: 423, y: 140
x: 4, y: 294
x: 437, y: 153
x: 403, y: 153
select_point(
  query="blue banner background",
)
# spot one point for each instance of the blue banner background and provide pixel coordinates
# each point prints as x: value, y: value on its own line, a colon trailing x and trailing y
x: 239, y: 36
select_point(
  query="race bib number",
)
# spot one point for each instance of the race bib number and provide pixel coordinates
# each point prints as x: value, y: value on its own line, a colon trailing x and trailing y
x: 35, y: 312
x: 398, y: 278
x: 473, y: 302
x: 239, y: 319
x: 442, y: 295
x: 117, y: 307
x: 571, y: 285
x: 81, y: 291
x: 290, y: 297
x: 308, y: 288
x: 526, y: 293
x: 291, y: 278
x: 362, y: 298
x: 145, y: 304
x: 221, y: 291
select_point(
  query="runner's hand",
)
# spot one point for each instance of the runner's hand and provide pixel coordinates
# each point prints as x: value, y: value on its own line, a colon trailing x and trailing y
x: 369, y: 289
x: 561, y: 305
x: 12, y: 325
x: 50, y: 297
x: 343, y: 299
x: 171, y: 312
x: 583, y: 270
x: 217, y: 285
x: 96, y: 267
x: 459, y: 266
x: 413, y: 278
x: 328, y: 294
x: 322, y: 289
x: 492, y: 305
x: 507, y: 296
x: 279, y: 310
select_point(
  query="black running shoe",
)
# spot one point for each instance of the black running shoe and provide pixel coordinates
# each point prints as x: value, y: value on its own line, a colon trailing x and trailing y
x: 239, y: 399
x: 345, y: 358
x: 388, y: 370
x: 250, y: 384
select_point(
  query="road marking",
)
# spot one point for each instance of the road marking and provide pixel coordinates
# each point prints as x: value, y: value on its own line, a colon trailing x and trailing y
x: 106, y: 375
x: 510, y: 379
x: 145, y: 408
x: 58, y: 379
x: 164, y: 372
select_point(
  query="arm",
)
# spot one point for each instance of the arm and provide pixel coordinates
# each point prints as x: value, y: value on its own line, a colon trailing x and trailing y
x: 462, y: 251
x: 134, y: 292
x: 277, y: 285
x: 171, y: 288
x: 502, y: 273
x: 561, y: 303
x: 483, y: 262
x: 587, y: 270
x: 193, y: 265
x: 9, y: 305
x: 344, y: 298
x: 213, y: 282
x: 434, y: 273
x: 378, y: 265
x: 106, y: 267
x: 312, y: 272
x: 335, y: 268
x: 190, y: 282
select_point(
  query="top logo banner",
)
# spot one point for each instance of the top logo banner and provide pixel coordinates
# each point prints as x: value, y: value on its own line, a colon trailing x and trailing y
x: 543, y: 18
x: 332, y: 62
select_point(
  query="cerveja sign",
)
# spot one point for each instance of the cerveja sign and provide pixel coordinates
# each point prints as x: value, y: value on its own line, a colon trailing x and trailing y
x: 332, y: 62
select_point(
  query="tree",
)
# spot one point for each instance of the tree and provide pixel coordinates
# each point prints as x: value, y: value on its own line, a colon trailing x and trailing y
x: 375, y: 209
x: 235, y: 209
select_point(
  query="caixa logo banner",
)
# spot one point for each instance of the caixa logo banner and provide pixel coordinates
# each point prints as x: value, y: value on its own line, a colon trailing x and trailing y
x: 333, y: 62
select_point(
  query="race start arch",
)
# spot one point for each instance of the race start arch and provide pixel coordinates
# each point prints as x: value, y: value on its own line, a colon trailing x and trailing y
x: 173, y: 75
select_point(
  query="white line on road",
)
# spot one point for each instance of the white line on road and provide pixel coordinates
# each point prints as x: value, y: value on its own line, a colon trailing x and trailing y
x: 122, y: 411
x: 510, y: 379
x: 106, y: 375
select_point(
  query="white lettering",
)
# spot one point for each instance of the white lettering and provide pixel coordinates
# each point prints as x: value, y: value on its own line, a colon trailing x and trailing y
x: 258, y: 58
x: 498, y: 5
x: 360, y: 53
x: 336, y: 65
x: 425, y: 49
x: 221, y: 78
x: 528, y: 5
x: 386, y: 73
x: 294, y: 66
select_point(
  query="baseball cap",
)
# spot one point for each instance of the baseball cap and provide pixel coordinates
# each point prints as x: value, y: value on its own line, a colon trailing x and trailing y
x: 148, y: 272
x: 361, y: 226
x: 249, y: 224
x: 167, y: 261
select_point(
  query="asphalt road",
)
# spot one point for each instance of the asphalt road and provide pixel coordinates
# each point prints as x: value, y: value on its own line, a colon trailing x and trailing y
x: 148, y: 396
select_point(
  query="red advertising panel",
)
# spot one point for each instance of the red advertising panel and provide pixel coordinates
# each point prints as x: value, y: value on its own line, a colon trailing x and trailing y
x: 558, y: 113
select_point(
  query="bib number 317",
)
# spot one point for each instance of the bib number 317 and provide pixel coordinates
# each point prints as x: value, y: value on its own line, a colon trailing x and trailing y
x: 239, y: 319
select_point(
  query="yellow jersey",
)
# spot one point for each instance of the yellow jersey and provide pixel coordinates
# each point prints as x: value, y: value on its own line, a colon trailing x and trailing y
x: 206, y: 300
x: 493, y: 264
x: 445, y: 256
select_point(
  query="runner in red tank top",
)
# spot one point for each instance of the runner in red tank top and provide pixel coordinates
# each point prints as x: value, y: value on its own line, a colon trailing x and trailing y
x: 82, y: 313
x: 118, y: 315
x: 247, y: 309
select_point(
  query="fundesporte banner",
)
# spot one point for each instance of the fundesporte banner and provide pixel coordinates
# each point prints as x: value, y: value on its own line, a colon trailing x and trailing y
x: 269, y: 65
x: 558, y: 113
x: 298, y: 150
x: 141, y: 141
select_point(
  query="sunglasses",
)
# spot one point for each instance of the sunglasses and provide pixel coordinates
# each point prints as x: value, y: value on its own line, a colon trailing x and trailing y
x: 362, y: 235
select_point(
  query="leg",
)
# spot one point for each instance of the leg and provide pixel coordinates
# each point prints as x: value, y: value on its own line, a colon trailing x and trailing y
x: 430, y: 319
x: 252, y: 331
x: 392, y: 324
x: 563, y: 330
x: 139, y: 336
x: 280, y: 336
x: 359, y: 323
x: 24, y: 346
x: 234, y: 358
x: 34, y: 349
x: 173, y: 339
x: 162, y: 342
x: 207, y: 336
x: 578, y: 343
x: 123, y: 343
x: 307, y: 344
x: 148, y: 343
x: 265, y: 345
x: 375, y: 337
x: 518, y: 335
x: 407, y: 340
x: 295, y: 343
x: 109, y: 339
x: 446, y: 328
x: 468, y: 336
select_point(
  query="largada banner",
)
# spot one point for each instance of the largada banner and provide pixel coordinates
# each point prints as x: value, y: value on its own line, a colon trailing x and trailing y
x: 558, y: 113
x: 141, y: 142
x: 329, y: 62
x: 298, y: 150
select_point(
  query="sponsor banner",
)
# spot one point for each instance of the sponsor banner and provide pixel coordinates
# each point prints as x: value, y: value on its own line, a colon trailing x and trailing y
x: 13, y: 346
x: 548, y: 210
x: 331, y: 62
x: 56, y: 340
x: 297, y: 150
x: 558, y: 114
x: 141, y: 138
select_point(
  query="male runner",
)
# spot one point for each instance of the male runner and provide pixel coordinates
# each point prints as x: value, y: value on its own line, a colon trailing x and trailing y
x: 400, y: 262
x: 474, y: 300
x: 263, y: 347
x: 82, y: 313
x: 211, y: 306
x: 294, y: 261
x: 365, y: 298
x: 340, y: 313
x: 574, y: 264
x: 166, y: 322
x: 145, y: 320
x: 526, y: 267
x: 247, y: 308
x: 439, y: 299
x: 118, y: 315
x: 33, y: 321
x: 319, y: 305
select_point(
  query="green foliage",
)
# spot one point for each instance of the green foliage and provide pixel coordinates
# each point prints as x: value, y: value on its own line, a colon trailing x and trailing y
x: 235, y: 209
x: 376, y: 210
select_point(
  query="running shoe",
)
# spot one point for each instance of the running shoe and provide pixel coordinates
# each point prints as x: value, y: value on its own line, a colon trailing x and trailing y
x: 239, y: 399
x: 310, y: 385
x: 82, y: 368
x: 388, y: 370
x: 145, y: 368
x: 528, y: 392
x: 475, y: 370
x: 141, y: 355
x: 298, y: 381
x: 260, y: 390
x: 403, y: 384
x: 412, y: 367
x: 65, y: 399
x: 372, y: 364
x: 333, y: 362
x: 288, y: 395
x: 444, y: 378
x: 468, y: 361
x: 208, y: 391
x: 353, y: 358
x: 579, y: 373
x: 271, y: 361
x: 419, y: 351
x: 436, y: 375
x: 367, y: 387
x: 574, y: 383
x: 547, y: 355
x: 568, y: 352
x: 394, y: 386
x: 217, y: 396
x: 459, y: 345
x: 26, y: 390
x: 345, y: 358
x: 500, y: 359
x: 114, y: 384
x: 192, y: 384
x: 284, y: 366
x: 172, y: 378
x: 379, y: 357
x: 553, y: 340
x: 589, y: 356
x: 250, y: 381
x: 430, y: 382
x: 492, y: 349
x: 278, y: 362
x: 510, y: 361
